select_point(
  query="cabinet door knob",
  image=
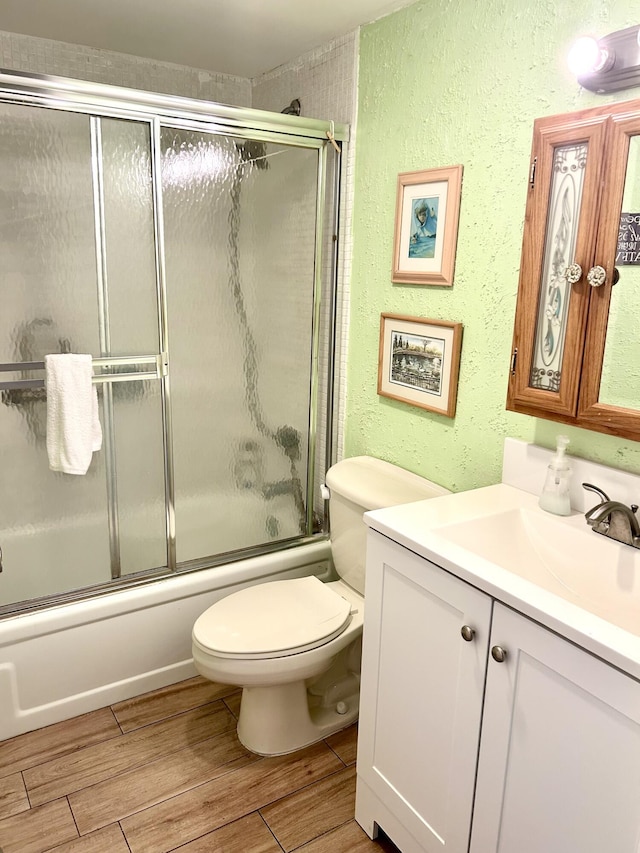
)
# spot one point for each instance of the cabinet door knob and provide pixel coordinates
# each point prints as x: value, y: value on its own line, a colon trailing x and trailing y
x: 467, y: 632
x: 573, y: 273
x: 596, y: 276
x: 499, y: 654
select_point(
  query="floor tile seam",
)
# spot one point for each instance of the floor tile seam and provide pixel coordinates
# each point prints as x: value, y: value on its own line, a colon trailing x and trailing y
x: 168, y: 800
x: 237, y: 817
x: 321, y: 835
x: 170, y: 716
x: 337, y: 755
x: 113, y: 713
x: 181, y: 713
x: 119, y: 824
x: 26, y: 790
x: 168, y: 690
x: 304, y: 787
x: 230, y: 711
x: 71, y: 751
x: 149, y: 760
x: 31, y: 810
x: 275, y: 837
x: 218, y: 828
x: 73, y: 817
x: 9, y: 770
x: 155, y: 761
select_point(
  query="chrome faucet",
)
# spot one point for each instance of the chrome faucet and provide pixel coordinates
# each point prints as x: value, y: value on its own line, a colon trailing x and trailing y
x: 613, y: 518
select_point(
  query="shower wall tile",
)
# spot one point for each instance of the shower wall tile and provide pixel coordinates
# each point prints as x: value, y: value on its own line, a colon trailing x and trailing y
x: 322, y: 79
x: 44, y: 56
x: 325, y: 82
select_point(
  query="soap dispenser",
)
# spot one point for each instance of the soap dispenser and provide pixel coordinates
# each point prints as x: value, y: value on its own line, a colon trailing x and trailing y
x: 555, y: 496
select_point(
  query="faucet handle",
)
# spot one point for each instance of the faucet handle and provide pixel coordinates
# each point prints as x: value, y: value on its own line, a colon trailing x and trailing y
x: 634, y: 508
x: 602, y: 495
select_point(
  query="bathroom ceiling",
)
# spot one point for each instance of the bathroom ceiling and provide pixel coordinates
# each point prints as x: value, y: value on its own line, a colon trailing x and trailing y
x: 243, y: 37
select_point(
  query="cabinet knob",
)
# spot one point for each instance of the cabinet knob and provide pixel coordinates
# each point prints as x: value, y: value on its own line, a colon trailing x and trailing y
x: 573, y: 273
x: 499, y: 654
x: 468, y: 633
x: 596, y: 276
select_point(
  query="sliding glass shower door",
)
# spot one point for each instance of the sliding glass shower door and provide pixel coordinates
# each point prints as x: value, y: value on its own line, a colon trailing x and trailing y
x: 77, y: 272
x: 240, y: 236
x: 186, y: 260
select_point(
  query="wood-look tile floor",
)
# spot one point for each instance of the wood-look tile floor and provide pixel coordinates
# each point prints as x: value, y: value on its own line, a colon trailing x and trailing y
x: 165, y: 771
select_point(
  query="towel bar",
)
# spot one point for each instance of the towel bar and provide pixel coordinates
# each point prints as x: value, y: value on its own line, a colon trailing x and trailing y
x: 160, y: 361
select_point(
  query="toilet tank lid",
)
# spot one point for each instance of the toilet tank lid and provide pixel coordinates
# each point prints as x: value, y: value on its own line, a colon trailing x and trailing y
x: 373, y: 483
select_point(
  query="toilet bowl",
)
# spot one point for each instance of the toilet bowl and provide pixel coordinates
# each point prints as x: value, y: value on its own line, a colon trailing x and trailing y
x: 277, y: 659
x: 294, y: 645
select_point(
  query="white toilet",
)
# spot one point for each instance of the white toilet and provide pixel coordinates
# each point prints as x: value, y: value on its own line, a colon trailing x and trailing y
x: 294, y: 645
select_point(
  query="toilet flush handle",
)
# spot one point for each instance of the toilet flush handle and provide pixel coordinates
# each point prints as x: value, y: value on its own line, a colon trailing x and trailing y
x: 325, y: 491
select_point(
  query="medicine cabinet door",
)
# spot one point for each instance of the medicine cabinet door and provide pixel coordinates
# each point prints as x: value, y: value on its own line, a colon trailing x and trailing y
x: 610, y: 391
x: 558, y: 251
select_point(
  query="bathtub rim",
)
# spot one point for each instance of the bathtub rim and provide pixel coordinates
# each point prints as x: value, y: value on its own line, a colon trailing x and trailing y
x: 91, y: 603
x: 142, y: 580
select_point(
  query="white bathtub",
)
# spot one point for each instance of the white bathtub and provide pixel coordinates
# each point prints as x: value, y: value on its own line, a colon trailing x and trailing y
x: 46, y: 559
x: 64, y: 661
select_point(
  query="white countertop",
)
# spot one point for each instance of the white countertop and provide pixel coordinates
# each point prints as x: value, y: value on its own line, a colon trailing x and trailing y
x: 602, y: 617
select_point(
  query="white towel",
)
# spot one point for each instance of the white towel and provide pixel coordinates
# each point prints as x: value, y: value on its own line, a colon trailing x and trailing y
x: 73, y: 426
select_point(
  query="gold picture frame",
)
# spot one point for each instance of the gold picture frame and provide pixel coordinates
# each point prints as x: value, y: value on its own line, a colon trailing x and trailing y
x: 419, y: 362
x: 426, y: 226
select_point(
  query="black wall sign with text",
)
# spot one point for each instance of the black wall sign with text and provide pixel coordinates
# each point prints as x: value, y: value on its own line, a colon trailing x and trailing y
x: 628, y: 252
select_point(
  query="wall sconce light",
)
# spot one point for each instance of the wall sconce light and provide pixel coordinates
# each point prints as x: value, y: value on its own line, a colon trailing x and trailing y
x: 607, y: 64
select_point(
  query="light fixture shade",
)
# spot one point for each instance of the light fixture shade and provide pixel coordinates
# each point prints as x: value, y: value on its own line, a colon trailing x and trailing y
x: 587, y: 57
x: 616, y: 58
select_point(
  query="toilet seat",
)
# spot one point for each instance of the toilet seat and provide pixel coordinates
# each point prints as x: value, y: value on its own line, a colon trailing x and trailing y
x: 273, y: 620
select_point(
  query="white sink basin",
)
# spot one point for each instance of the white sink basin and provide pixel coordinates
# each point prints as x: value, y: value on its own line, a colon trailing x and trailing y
x: 583, y: 567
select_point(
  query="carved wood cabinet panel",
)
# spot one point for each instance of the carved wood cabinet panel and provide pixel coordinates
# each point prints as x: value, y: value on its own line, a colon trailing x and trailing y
x: 574, y: 307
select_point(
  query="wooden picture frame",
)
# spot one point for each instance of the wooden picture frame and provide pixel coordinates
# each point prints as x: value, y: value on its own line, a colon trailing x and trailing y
x: 426, y: 226
x: 419, y: 362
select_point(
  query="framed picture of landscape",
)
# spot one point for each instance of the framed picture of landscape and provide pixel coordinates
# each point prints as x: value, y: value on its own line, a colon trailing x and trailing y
x: 418, y: 362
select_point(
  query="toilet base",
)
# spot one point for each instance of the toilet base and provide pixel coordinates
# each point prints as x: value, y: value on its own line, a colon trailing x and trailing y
x: 284, y: 718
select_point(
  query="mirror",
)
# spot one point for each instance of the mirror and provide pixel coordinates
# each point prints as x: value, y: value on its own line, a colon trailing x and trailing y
x: 620, y: 381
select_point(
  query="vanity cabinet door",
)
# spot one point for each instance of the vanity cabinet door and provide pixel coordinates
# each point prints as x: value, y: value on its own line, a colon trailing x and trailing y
x: 559, y: 765
x: 420, y: 701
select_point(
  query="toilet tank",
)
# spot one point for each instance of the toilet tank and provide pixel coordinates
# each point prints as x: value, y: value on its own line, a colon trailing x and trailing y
x: 360, y: 484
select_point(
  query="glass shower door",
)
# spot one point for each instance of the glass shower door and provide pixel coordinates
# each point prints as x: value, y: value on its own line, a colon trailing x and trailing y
x: 240, y: 244
x: 77, y: 274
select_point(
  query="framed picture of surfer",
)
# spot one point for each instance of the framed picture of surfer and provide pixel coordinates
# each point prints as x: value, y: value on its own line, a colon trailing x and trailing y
x: 426, y: 230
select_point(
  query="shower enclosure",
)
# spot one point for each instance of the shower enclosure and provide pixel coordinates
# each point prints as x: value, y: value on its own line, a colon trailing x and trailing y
x: 190, y: 249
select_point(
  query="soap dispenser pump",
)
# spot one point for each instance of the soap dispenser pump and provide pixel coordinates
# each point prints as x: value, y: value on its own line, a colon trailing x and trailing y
x: 555, y: 496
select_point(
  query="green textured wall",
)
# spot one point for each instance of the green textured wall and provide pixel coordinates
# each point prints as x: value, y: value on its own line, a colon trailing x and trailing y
x: 460, y: 81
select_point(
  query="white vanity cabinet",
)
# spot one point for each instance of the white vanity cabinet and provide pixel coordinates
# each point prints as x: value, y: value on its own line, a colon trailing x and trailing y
x: 559, y: 764
x: 420, y: 700
x: 545, y: 755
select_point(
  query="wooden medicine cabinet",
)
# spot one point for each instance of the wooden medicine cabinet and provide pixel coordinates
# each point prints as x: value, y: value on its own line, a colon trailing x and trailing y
x: 576, y: 342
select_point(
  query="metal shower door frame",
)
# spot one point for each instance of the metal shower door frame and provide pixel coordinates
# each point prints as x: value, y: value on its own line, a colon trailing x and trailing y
x: 99, y: 101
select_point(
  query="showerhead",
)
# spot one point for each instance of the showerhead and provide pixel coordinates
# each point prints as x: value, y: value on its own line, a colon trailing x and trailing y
x: 293, y: 109
x: 288, y: 438
x: 253, y: 152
